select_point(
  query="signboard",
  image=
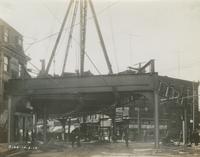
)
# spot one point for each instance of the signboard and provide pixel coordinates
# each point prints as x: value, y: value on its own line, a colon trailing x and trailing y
x: 106, y: 123
x: 122, y: 113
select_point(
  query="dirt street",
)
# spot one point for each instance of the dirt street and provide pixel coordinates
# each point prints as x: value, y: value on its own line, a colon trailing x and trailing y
x: 113, y: 150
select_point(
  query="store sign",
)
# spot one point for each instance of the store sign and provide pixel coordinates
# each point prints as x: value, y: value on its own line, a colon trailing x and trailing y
x: 122, y: 113
x: 106, y: 123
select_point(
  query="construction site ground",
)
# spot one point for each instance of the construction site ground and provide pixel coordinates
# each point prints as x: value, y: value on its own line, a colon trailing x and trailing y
x: 106, y: 150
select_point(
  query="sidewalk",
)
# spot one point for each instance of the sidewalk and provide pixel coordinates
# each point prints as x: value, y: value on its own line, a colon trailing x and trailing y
x: 4, y: 150
x: 3, y: 147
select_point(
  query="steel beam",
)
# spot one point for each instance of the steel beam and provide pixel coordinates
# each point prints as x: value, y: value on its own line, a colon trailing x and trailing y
x: 74, y: 85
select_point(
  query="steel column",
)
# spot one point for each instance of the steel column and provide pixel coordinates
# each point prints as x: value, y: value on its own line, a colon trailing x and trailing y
x: 139, y: 123
x: 156, y: 121
x: 45, y: 124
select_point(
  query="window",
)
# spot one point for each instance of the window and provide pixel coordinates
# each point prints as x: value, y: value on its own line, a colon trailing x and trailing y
x: 6, y: 63
x: 19, y: 40
x: 5, y: 34
x: 19, y: 70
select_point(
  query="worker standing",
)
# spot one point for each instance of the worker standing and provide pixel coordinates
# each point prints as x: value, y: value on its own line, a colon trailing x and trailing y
x: 75, y: 137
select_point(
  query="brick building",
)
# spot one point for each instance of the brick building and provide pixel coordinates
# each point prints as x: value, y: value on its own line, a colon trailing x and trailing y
x: 12, y: 64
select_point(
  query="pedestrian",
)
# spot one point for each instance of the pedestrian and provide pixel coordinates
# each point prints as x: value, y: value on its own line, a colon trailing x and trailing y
x: 126, y: 136
x: 72, y: 136
x: 196, y: 137
x: 75, y: 137
x: 145, y: 136
x: 192, y: 137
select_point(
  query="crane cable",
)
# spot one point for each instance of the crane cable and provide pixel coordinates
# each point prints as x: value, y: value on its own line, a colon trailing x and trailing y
x: 53, y: 34
x: 114, y: 43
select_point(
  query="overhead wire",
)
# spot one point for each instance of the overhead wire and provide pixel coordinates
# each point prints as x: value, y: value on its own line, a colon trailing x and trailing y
x: 114, y: 43
x: 53, y: 34
x: 109, y: 6
x: 57, y: 20
x: 91, y: 61
x: 34, y: 66
x: 98, y: 71
x: 63, y: 38
x: 183, y: 67
x: 49, y: 10
x: 130, y: 50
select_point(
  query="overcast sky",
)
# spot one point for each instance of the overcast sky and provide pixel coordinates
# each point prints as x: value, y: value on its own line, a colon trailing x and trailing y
x: 134, y: 31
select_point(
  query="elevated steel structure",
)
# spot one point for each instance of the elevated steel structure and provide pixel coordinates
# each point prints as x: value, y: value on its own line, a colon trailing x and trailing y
x: 101, y: 93
x: 75, y: 95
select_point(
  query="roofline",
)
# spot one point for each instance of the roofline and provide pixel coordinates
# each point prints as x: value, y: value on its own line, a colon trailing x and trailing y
x: 177, y: 79
x: 3, y: 21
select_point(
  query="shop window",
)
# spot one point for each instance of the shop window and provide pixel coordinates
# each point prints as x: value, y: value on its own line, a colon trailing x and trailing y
x: 19, y: 41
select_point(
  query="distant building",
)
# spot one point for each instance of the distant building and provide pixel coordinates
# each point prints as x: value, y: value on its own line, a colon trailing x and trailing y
x: 12, y: 63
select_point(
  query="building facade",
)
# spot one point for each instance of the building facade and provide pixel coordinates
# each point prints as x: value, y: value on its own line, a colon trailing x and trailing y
x: 12, y: 65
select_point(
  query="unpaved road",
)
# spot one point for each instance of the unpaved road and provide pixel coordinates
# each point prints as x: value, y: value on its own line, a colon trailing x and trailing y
x: 113, y: 150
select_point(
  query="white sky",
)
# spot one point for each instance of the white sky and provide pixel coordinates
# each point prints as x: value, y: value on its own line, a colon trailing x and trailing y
x: 134, y: 31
